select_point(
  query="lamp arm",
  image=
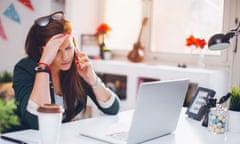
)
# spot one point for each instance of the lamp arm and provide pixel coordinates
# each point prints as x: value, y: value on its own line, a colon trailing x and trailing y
x: 231, y: 34
x: 236, y: 31
x: 236, y: 42
x: 237, y: 28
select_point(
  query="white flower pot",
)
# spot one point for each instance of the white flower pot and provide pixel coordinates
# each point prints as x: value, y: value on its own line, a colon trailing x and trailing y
x: 234, y: 121
x: 107, y: 55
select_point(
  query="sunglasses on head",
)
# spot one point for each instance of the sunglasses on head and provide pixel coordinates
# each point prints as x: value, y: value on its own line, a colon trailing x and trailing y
x: 44, y: 21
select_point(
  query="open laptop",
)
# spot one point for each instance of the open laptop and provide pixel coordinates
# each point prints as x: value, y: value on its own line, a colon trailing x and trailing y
x: 156, y: 114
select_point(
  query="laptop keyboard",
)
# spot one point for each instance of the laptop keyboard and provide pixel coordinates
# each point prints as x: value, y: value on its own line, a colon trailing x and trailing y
x: 122, y: 136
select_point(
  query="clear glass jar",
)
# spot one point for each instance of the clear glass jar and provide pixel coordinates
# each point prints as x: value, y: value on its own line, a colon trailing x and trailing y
x: 217, y: 121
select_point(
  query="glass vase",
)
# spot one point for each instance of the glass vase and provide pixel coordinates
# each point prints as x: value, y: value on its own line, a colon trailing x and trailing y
x: 101, y: 45
x: 200, y: 62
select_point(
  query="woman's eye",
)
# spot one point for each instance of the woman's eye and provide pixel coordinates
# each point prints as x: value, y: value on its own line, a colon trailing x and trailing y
x: 68, y: 48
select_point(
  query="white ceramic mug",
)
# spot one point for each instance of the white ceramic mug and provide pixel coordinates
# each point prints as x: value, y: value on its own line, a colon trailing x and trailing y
x: 49, y: 120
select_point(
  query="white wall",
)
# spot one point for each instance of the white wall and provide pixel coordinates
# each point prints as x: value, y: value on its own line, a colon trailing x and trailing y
x: 82, y: 13
x: 12, y: 49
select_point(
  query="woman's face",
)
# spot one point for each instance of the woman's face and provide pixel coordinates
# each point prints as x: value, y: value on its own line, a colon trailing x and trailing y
x: 65, y: 55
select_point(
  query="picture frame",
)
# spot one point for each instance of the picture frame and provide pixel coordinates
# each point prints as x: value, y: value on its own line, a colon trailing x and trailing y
x: 197, y: 108
x: 116, y: 82
x: 89, y: 45
x: 192, y: 88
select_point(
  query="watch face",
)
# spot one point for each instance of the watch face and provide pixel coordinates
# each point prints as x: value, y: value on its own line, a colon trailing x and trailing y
x: 36, y: 68
x: 41, y: 69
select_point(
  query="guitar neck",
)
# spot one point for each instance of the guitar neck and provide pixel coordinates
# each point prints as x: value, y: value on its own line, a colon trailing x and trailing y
x: 140, y: 34
x: 144, y: 22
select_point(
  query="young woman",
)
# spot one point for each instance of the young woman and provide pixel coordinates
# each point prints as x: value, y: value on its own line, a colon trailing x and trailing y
x: 55, y: 71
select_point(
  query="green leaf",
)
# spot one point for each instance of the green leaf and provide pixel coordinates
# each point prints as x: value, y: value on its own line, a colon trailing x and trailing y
x: 6, y: 76
x: 235, y: 99
x: 8, y: 118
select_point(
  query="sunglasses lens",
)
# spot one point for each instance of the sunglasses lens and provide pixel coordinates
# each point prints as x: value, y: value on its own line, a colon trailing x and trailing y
x: 42, y: 21
x: 57, y: 16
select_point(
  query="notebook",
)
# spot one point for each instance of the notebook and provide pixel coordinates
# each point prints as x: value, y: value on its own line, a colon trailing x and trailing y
x: 157, y: 110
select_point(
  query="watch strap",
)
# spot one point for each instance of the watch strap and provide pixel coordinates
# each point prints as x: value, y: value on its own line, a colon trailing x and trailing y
x: 41, y: 69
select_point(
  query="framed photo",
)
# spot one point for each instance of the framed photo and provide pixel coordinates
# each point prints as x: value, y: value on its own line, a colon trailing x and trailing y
x: 192, y: 88
x: 197, y: 108
x: 89, y: 45
x: 116, y: 82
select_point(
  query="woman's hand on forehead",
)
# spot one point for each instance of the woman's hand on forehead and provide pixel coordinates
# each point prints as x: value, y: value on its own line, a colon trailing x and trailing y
x: 57, y: 40
x: 51, y: 47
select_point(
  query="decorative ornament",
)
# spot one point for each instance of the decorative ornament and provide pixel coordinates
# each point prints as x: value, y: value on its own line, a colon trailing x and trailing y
x: 11, y: 13
x: 137, y: 53
x: 27, y: 3
x: 101, y: 31
x: 197, y: 42
x: 2, y: 33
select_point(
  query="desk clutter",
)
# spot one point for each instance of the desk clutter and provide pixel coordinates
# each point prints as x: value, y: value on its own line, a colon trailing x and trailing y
x: 212, y: 113
x: 217, y: 120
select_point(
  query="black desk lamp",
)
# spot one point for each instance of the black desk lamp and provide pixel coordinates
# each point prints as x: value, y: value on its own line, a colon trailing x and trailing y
x: 222, y: 41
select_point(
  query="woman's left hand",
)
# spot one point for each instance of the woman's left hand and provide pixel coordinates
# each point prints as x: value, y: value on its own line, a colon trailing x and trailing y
x: 85, y: 68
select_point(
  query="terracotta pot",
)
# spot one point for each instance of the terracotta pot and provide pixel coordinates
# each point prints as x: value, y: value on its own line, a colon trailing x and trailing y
x: 6, y: 90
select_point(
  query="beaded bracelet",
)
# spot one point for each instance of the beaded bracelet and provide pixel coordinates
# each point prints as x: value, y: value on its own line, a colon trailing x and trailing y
x: 42, y: 63
x: 44, y: 68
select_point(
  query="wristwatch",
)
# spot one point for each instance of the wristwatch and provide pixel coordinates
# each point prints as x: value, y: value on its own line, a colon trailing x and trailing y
x: 42, y: 69
x: 97, y: 83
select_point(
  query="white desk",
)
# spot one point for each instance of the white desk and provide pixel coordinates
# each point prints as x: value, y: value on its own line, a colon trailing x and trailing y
x: 188, y: 131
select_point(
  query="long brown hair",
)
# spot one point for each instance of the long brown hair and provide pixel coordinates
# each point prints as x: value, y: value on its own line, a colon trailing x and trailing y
x: 70, y: 80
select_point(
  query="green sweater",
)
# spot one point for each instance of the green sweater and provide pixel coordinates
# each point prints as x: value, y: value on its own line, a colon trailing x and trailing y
x: 23, y: 80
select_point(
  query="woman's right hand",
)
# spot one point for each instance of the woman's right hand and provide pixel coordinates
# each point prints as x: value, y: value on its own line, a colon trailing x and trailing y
x: 51, y: 48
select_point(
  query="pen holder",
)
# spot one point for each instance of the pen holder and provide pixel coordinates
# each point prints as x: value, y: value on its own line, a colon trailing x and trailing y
x: 217, y: 121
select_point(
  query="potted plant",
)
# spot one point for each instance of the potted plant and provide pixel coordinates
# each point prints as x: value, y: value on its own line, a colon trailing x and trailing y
x: 6, y: 90
x: 107, y: 53
x: 234, y: 110
x: 8, y: 118
x: 101, y: 31
x: 6, y: 76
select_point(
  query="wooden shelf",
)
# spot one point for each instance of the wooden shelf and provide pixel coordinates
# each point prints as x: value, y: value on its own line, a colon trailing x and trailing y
x: 209, y: 78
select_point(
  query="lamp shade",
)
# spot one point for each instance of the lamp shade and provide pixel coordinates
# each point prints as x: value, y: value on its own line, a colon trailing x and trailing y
x: 218, y: 42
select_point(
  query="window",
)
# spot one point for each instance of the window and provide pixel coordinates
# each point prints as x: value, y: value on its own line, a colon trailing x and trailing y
x: 171, y: 22
x: 174, y: 21
x: 124, y: 17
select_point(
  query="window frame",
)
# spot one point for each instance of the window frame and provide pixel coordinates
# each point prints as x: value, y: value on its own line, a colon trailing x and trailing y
x: 223, y: 60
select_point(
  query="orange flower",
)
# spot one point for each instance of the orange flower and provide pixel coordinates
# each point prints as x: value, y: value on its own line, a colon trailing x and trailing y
x: 103, y: 28
x: 199, y: 43
x: 190, y: 40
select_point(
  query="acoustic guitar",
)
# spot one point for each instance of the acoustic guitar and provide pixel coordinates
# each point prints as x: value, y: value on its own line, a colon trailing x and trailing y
x: 137, y: 53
